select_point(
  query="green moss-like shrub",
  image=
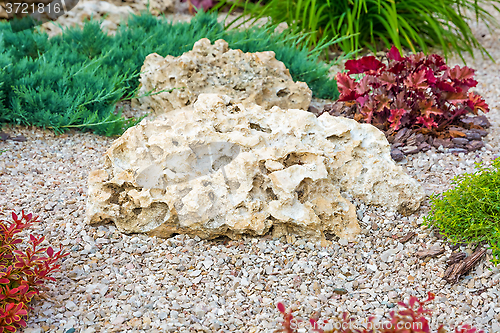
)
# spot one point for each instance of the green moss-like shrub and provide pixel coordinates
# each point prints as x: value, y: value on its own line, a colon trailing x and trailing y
x: 470, y: 211
x: 74, y: 80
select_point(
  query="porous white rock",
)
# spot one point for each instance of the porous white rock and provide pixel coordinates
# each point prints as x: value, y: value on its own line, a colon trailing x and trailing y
x: 110, y: 14
x: 221, y: 168
x: 247, y: 77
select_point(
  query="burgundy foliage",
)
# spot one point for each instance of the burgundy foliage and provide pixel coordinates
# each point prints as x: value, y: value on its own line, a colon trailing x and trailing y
x: 412, y: 91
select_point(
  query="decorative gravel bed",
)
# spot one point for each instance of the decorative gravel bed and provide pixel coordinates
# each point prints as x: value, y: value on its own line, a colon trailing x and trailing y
x: 114, y: 283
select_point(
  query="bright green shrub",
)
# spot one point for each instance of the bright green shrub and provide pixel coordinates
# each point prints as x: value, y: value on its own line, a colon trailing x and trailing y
x: 415, y: 24
x: 470, y: 211
x: 74, y: 80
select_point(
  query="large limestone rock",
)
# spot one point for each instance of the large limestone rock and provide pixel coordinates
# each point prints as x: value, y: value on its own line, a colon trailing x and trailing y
x: 220, y: 168
x: 247, y: 77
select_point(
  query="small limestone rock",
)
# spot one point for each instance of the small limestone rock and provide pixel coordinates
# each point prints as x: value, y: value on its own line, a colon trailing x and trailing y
x: 248, y: 77
x: 33, y: 330
x: 70, y: 305
x: 340, y: 291
x: 388, y: 255
x: 111, y: 14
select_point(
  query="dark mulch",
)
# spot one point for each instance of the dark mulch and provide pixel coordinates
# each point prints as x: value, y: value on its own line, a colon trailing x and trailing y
x: 5, y: 136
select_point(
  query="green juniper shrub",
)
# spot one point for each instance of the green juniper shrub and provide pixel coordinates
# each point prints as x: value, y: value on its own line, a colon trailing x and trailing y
x: 415, y: 24
x: 470, y: 210
x: 75, y: 79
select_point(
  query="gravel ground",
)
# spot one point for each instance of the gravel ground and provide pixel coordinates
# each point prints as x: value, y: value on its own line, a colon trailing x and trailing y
x: 115, y: 283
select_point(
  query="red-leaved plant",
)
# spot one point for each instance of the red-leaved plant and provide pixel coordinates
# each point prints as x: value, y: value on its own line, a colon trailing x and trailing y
x: 410, y: 319
x: 204, y: 5
x: 22, y: 271
x: 409, y: 91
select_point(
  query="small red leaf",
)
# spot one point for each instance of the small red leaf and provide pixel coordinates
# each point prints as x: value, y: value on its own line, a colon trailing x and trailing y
x: 388, y: 79
x: 417, y: 80
x: 430, y: 77
x: 383, y: 102
x: 394, y: 54
x: 427, y: 122
x: 395, y: 118
x: 367, y: 113
x: 444, y: 86
x: 426, y: 108
x: 345, y: 83
x: 50, y: 251
x: 460, y: 73
x: 347, y: 87
x: 281, y: 307
x: 478, y: 103
x: 455, y: 98
x: 363, y: 86
x: 363, y: 65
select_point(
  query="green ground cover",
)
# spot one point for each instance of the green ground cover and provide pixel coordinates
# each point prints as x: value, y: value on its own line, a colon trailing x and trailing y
x: 74, y: 80
x: 470, y: 210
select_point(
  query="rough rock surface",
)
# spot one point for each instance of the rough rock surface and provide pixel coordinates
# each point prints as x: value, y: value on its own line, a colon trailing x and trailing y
x: 248, y: 77
x: 220, y: 168
x: 114, y: 15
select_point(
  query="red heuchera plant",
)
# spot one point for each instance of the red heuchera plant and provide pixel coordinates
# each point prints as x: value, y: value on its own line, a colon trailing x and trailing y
x: 408, y: 91
x: 22, y: 271
x: 204, y: 5
x: 410, y: 319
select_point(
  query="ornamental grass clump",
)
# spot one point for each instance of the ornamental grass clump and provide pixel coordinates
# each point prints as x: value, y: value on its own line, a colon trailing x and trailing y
x: 374, y: 24
x: 410, y: 319
x: 470, y: 210
x: 24, y: 268
x: 415, y: 91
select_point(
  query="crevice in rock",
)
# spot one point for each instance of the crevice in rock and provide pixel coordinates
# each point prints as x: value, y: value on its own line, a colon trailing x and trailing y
x: 283, y: 92
x: 115, y: 197
x: 257, y: 127
x: 303, y: 190
x: 292, y: 159
x: 262, y: 167
x: 270, y: 193
x: 333, y: 138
